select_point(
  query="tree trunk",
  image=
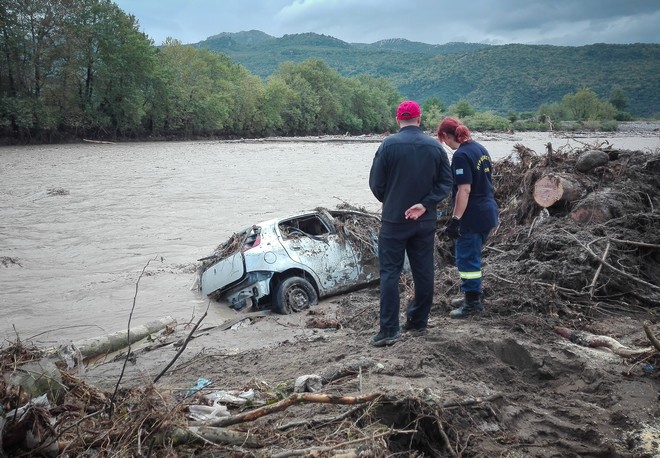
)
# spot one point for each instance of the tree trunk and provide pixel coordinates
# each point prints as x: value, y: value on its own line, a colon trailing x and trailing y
x: 557, y: 188
x: 598, y: 207
x: 112, y: 342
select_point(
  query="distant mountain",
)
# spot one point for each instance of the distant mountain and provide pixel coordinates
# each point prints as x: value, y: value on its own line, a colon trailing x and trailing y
x: 499, y: 78
x: 403, y: 45
x: 240, y: 39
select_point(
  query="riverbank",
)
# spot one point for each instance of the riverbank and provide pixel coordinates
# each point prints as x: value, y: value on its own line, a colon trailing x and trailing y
x: 561, y: 363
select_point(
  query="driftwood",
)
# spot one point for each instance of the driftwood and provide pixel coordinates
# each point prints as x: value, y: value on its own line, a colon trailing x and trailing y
x: 183, y: 346
x: 337, y: 452
x: 319, y: 421
x: 556, y: 188
x: 202, y: 434
x: 316, y: 451
x: 97, y: 141
x: 649, y: 335
x: 109, y: 343
x: 586, y: 339
x: 611, y: 267
x: 598, y: 207
x: 284, y: 404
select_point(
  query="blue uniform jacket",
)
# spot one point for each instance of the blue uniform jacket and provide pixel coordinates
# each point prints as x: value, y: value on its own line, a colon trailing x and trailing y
x: 471, y: 164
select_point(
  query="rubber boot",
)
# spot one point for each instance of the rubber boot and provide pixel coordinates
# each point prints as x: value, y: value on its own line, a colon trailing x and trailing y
x: 472, y: 304
x: 459, y: 301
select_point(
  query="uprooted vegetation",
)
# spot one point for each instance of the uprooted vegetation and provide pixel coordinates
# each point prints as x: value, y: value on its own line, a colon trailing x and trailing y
x: 499, y: 385
x: 543, y: 259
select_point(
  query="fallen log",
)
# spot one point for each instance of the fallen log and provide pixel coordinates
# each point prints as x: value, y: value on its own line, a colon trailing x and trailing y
x: 101, y: 142
x: 557, y: 188
x: 598, y: 207
x: 586, y: 339
x: 109, y: 343
x: 284, y: 404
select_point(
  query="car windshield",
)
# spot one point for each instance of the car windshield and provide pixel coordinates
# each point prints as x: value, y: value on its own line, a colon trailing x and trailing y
x: 310, y: 225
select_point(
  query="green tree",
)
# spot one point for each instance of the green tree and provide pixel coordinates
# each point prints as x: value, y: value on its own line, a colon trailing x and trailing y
x: 585, y: 105
x: 29, y: 33
x: 462, y: 109
x: 432, y: 109
x: 618, y: 99
x: 582, y: 106
x: 327, y: 85
x: 431, y: 103
x: 550, y: 114
x: 373, y: 101
x: 199, y: 92
x: 487, y: 121
x: 277, y: 98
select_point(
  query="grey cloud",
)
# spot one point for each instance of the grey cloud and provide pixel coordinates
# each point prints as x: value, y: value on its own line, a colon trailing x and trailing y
x: 559, y: 22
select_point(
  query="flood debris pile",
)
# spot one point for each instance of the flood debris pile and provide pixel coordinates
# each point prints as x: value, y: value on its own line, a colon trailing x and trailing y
x: 577, y: 236
x: 46, y: 409
x: 7, y: 261
x: 358, y: 226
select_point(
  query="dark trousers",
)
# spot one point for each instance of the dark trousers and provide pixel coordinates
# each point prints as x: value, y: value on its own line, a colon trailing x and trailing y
x: 416, y: 239
x: 468, y: 260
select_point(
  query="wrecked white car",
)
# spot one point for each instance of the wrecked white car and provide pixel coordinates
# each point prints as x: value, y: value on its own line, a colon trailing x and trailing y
x: 289, y: 263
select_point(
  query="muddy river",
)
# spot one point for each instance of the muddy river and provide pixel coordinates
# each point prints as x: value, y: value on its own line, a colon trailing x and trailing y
x: 94, y: 234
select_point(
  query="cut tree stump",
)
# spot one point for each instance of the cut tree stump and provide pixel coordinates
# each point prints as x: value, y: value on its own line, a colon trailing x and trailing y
x: 558, y: 188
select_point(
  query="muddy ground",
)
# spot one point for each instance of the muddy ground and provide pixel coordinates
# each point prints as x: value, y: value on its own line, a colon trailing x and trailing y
x: 503, y: 383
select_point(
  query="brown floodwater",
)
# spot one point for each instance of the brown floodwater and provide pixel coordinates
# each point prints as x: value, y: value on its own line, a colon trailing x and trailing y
x: 90, y: 233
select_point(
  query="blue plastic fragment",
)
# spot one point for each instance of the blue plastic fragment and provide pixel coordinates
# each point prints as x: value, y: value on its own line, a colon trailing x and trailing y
x: 201, y: 384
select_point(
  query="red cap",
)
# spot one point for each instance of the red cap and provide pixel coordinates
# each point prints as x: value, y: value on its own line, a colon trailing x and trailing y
x: 408, y: 110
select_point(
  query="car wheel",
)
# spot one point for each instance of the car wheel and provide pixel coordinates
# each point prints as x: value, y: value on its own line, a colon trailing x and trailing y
x: 294, y: 294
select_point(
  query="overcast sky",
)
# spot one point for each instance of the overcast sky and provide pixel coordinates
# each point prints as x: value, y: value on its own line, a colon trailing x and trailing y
x: 556, y: 22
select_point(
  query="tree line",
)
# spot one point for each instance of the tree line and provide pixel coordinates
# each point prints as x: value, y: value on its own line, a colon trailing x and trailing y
x: 75, y: 68
x: 82, y: 69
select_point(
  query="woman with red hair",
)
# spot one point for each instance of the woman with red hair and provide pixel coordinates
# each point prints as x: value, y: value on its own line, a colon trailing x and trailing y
x: 474, y: 214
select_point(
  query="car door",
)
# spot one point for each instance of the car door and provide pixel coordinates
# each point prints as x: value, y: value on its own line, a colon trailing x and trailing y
x: 309, y: 241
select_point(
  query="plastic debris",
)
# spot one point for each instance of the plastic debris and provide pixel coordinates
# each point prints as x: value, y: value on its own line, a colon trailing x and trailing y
x: 201, y: 384
x: 229, y: 398
x: 308, y: 384
x: 648, y: 368
x: 203, y: 413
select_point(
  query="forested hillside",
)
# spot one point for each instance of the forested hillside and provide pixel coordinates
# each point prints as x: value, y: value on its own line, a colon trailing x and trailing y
x: 498, y: 78
x: 72, y: 69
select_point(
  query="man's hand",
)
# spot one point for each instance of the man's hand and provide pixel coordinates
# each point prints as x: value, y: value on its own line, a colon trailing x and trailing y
x: 453, y: 229
x: 415, y: 211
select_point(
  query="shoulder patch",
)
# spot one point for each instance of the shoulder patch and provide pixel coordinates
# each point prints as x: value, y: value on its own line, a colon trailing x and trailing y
x: 459, y: 171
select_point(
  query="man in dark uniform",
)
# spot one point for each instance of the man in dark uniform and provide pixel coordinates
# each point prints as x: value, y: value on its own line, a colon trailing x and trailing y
x: 410, y: 175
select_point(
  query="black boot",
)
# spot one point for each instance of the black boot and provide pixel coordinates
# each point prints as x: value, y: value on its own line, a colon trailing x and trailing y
x: 459, y: 301
x: 472, y: 304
